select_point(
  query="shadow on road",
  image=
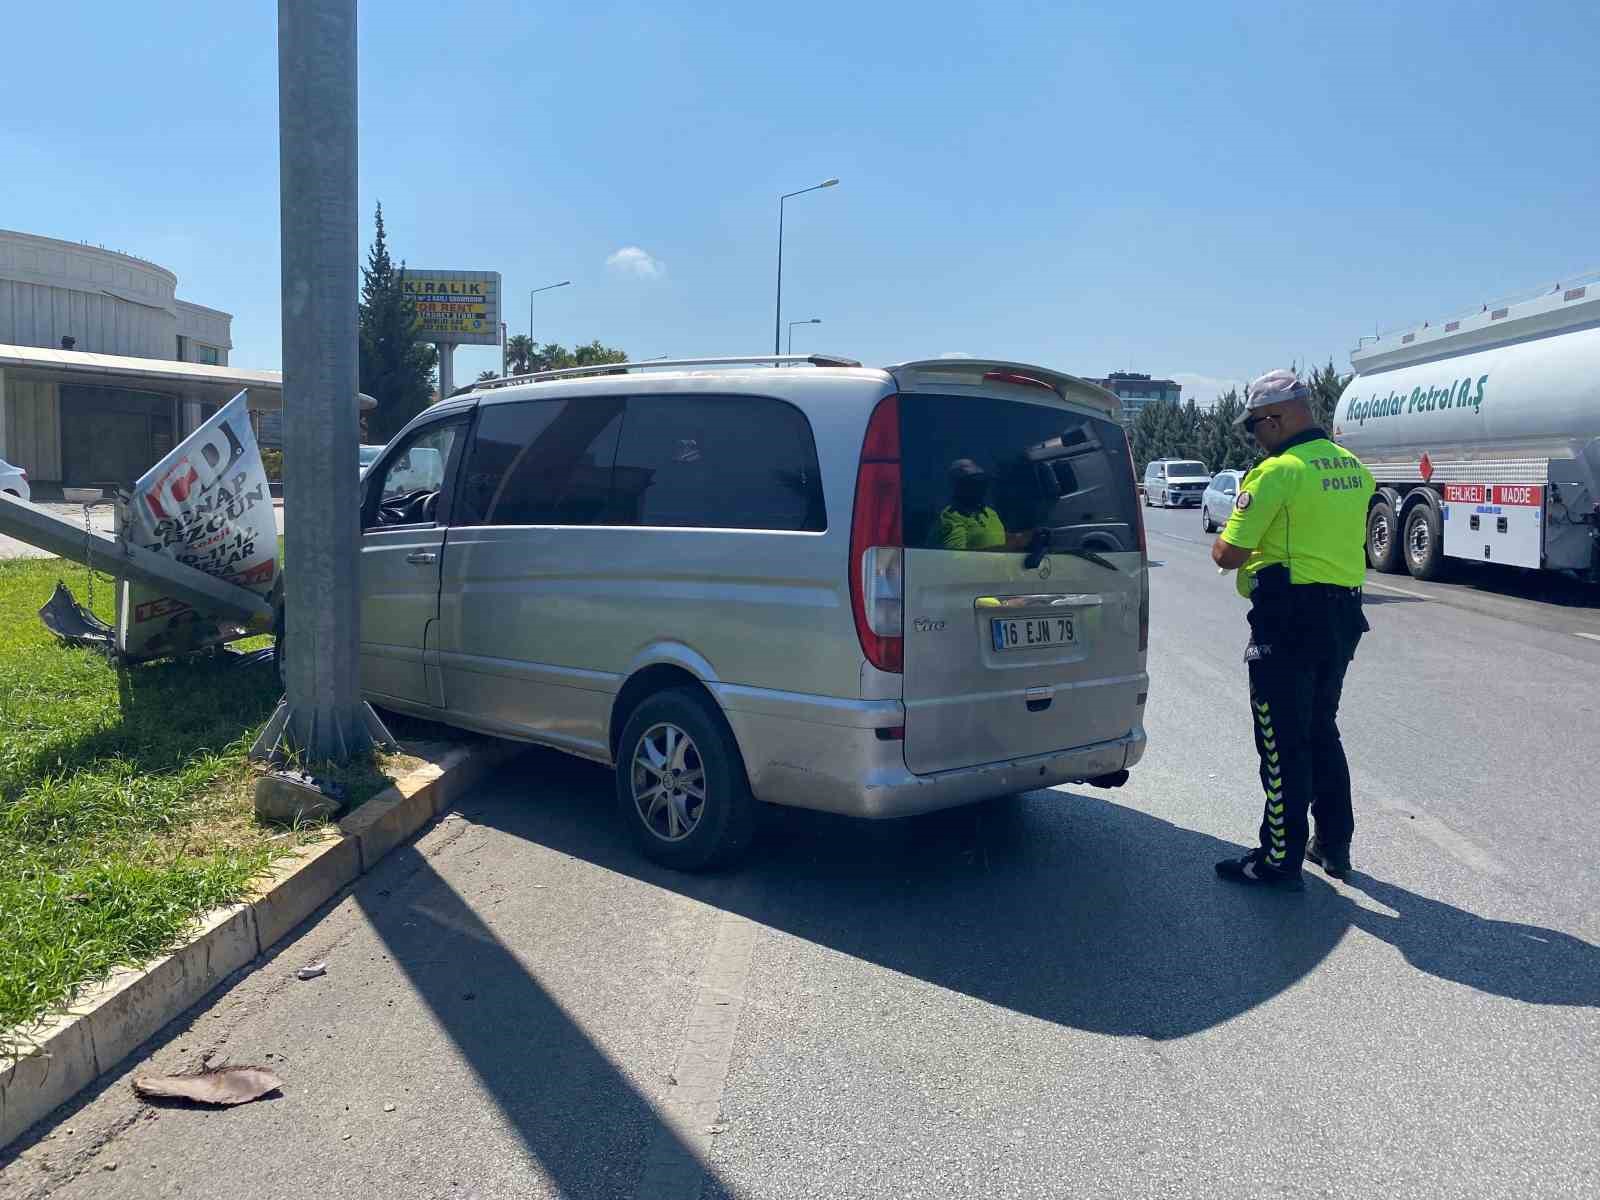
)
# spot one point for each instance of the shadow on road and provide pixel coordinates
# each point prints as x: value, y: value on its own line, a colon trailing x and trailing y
x: 1504, y: 958
x: 1544, y: 587
x: 579, y: 1117
x: 1063, y: 906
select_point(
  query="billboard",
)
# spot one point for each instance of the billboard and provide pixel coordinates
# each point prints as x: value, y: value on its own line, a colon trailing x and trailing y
x: 462, y: 307
x: 207, y: 505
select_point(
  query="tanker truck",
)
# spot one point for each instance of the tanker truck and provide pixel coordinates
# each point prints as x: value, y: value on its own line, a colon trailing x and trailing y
x: 1483, y: 434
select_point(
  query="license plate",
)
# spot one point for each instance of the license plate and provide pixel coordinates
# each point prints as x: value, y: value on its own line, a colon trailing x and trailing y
x: 1030, y: 633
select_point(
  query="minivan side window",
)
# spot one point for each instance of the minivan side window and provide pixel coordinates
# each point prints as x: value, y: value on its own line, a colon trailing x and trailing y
x: 717, y: 462
x: 413, y: 479
x: 541, y: 462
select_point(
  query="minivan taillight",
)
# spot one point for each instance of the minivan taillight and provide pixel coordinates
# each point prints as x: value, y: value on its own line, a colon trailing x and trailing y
x: 877, y: 547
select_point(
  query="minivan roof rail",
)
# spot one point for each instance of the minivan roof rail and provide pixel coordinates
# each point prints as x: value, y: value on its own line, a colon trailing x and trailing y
x: 622, y: 368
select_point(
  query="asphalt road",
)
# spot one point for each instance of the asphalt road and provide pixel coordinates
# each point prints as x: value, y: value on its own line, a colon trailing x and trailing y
x: 1048, y: 997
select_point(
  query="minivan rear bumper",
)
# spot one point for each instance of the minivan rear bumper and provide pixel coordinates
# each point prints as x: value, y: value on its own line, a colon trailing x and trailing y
x: 840, y: 763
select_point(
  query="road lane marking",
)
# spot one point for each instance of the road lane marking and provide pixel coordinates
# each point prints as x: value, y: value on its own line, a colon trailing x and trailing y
x: 1384, y: 587
x: 675, y: 1163
x: 1593, y: 637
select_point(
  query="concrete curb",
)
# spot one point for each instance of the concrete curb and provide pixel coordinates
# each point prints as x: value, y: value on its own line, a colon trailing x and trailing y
x: 108, y: 1021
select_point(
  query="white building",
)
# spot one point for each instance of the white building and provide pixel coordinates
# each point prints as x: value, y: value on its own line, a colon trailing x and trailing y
x: 106, y: 302
x: 81, y: 401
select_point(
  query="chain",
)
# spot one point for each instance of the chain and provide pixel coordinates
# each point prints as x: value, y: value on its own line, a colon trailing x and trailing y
x: 88, y: 553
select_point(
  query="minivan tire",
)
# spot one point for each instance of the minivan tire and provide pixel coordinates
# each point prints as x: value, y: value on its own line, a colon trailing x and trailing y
x: 721, y: 829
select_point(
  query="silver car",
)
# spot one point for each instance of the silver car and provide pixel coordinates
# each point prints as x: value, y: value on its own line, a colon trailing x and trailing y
x: 1216, y: 502
x: 1174, y: 481
x: 874, y: 592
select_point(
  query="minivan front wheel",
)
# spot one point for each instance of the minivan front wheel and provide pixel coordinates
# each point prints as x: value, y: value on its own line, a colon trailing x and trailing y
x: 681, y: 783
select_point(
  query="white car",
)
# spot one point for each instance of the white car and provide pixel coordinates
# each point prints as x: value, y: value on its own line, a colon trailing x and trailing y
x: 14, y: 481
x: 1175, y: 482
x: 1216, y: 502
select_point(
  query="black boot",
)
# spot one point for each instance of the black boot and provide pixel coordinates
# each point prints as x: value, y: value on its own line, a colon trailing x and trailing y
x: 1252, y: 869
x: 1335, y: 860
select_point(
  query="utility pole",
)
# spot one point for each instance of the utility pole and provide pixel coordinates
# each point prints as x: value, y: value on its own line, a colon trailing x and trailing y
x: 322, y: 717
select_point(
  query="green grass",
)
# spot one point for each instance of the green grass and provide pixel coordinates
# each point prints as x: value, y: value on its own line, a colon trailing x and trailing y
x: 125, y: 799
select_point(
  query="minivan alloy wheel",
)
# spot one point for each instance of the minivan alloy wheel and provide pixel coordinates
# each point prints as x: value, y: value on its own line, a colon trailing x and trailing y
x: 668, y: 780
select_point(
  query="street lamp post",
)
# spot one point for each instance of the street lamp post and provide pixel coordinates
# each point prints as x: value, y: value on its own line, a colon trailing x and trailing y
x: 777, y: 316
x: 322, y: 716
x: 546, y: 288
x: 792, y: 324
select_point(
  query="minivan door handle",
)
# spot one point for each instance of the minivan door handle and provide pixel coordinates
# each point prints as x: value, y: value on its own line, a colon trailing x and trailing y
x: 422, y: 556
x: 1038, y: 698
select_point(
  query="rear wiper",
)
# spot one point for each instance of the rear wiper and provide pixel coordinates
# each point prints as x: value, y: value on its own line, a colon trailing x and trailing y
x: 1041, y: 546
x: 1099, y: 560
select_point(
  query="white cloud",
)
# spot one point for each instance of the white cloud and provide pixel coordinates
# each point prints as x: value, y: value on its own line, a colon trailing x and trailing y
x: 955, y: 354
x: 1204, y: 388
x: 631, y: 260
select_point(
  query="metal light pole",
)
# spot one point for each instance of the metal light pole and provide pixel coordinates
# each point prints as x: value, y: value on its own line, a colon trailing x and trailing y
x: 792, y: 324
x: 546, y: 288
x: 322, y: 717
x: 777, y: 316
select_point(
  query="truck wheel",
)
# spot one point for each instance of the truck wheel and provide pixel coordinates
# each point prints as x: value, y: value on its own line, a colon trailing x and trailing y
x: 1383, y: 539
x: 681, y: 783
x: 1424, y: 549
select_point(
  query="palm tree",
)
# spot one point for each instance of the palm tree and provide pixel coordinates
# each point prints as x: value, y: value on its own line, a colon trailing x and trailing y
x: 482, y: 375
x: 519, y: 354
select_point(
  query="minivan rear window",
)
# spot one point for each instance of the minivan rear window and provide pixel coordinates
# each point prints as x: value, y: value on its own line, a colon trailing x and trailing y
x: 985, y: 474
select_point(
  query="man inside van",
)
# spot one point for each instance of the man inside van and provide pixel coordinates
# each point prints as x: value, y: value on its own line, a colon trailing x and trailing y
x: 1297, y: 538
x: 969, y: 522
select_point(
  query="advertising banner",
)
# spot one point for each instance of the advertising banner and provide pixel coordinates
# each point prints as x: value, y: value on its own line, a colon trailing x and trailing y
x: 458, y: 307
x: 207, y: 505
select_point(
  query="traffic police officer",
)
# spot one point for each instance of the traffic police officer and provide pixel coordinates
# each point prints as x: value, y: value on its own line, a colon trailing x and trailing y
x: 1297, y: 538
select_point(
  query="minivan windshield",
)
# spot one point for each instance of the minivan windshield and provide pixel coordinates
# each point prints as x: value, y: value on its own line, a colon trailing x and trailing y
x: 1186, y: 469
x: 985, y: 474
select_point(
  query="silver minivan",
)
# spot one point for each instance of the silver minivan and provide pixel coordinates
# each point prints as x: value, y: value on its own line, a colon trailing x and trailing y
x: 871, y: 591
x: 1176, y: 482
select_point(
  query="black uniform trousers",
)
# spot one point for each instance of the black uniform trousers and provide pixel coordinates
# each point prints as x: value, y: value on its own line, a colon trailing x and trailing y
x: 1303, y: 638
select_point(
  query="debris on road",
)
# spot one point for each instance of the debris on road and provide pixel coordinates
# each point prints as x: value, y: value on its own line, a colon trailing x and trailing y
x: 312, y: 970
x: 220, y: 1085
x: 288, y: 797
x: 388, y: 1108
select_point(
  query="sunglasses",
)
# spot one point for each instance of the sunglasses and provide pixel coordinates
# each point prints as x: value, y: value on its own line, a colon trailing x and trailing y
x: 1250, y: 423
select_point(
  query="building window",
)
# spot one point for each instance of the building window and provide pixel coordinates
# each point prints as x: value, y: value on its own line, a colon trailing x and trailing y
x: 206, y: 354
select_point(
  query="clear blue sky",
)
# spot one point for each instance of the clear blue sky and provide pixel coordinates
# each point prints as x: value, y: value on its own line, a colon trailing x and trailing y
x: 1201, y: 190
